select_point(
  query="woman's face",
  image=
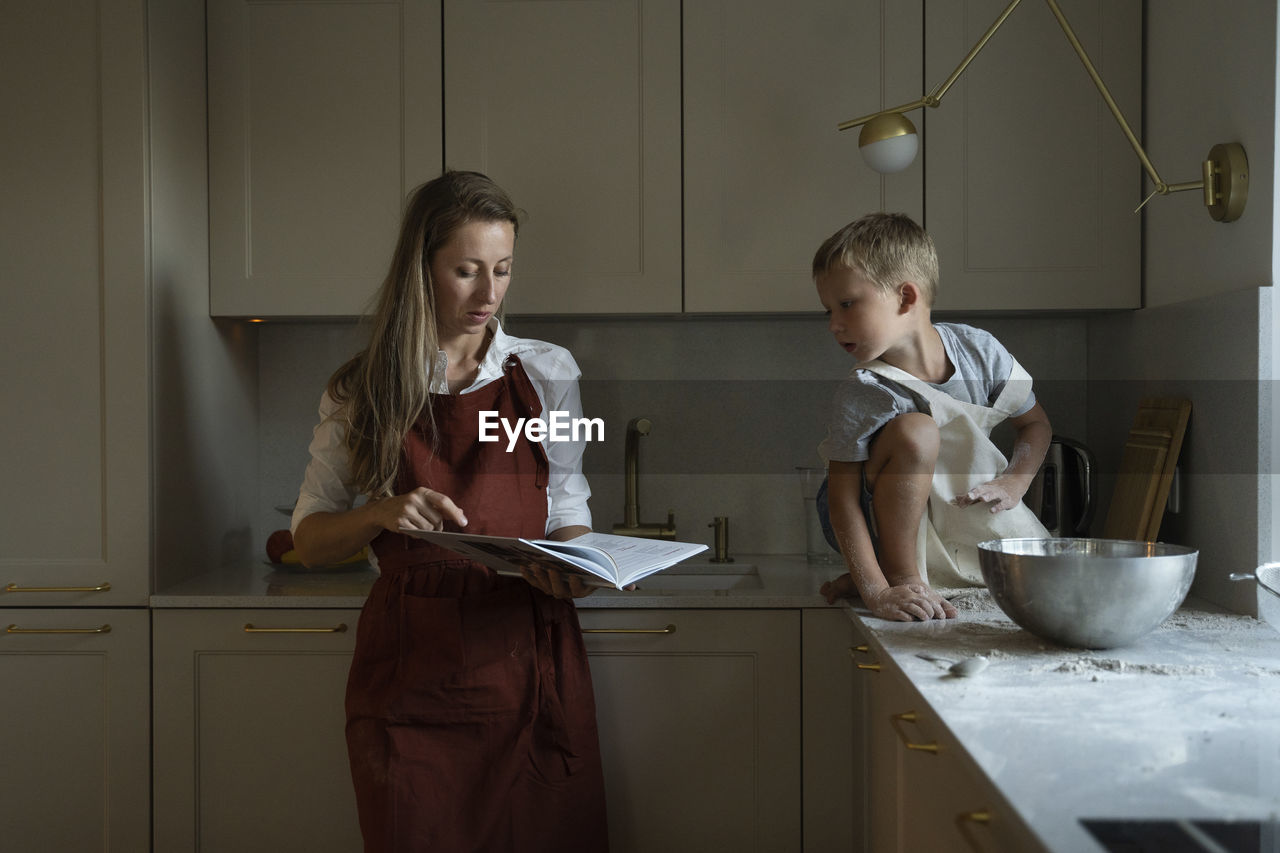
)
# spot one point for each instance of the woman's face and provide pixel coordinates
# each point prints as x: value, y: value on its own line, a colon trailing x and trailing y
x: 470, y: 274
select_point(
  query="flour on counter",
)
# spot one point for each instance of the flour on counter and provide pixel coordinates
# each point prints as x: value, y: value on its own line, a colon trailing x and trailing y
x: 981, y: 627
x: 1087, y: 664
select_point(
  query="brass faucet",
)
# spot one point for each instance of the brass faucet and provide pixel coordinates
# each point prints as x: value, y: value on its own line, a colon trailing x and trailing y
x: 631, y: 524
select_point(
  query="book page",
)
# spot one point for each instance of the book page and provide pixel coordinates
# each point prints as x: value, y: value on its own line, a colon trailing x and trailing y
x: 507, y: 556
x: 635, y: 557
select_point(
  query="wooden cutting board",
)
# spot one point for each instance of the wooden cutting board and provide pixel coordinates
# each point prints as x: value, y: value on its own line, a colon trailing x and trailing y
x: 1146, y: 469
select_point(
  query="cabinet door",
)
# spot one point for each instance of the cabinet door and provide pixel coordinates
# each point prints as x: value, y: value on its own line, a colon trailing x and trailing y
x: 833, y: 701
x: 885, y: 791
x: 73, y: 303
x: 931, y: 796
x: 75, y: 721
x: 699, y: 715
x: 767, y: 175
x: 1032, y: 185
x: 322, y: 117
x: 574, y: 108
x: 250, y: 753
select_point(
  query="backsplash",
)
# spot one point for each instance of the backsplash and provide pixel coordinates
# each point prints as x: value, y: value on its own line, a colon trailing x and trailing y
x: 737, y: 403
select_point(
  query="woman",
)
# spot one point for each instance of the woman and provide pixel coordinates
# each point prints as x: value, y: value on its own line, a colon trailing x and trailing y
x: 470, y: 716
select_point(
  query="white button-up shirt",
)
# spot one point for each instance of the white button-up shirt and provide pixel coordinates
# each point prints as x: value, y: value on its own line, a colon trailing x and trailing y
x: 326, y: 486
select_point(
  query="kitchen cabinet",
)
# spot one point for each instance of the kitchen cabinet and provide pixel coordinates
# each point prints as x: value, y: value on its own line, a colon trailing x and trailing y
x: 834, y: 748
x: 699, y: 716
x: 669, y: 157
x: 923, y: 791
x: 76, y: 723
x: 1032, y: 206
x: 576, y: 112
x: 322, y: 117
x: 73, y: 309
x: 249, y: 747
x: 767, y: 175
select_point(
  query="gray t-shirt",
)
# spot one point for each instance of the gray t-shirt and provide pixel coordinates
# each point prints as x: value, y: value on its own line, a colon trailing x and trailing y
x: 865, y: 402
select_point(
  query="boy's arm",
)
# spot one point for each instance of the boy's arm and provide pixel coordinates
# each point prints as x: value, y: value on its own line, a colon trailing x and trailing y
x: 1030, y: 444
x: 904, y: 600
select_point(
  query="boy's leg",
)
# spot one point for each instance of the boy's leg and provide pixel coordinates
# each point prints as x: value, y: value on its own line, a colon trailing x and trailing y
x: 899, y: 474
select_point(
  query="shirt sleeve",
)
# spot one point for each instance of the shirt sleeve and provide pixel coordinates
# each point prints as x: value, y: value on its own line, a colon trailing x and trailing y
x: 988, y: 362
x: 859, y: 410
x: 567, y: 488
x: 326, y: 485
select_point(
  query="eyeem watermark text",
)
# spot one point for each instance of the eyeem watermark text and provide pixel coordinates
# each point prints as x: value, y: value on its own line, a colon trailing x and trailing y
x: 558, y: 427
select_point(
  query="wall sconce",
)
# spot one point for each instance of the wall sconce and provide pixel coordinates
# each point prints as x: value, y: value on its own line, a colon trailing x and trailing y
x: 889, y: 141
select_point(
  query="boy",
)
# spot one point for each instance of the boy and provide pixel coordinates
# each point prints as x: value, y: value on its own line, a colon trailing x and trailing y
x: 914, y: 482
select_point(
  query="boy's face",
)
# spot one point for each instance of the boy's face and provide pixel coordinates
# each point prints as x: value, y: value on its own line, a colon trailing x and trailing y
x: 864, y: 320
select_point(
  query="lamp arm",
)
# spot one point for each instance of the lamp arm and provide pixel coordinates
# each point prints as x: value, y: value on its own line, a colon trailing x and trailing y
x: 1161, y: 186
x: 934, y: 98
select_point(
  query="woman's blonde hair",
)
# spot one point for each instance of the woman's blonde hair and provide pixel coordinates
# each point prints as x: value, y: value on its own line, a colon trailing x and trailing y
x: 888, y: 248
x: 385, y: 390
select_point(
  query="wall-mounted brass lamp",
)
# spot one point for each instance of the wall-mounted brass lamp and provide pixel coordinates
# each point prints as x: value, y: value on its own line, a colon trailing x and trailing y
x: 889, y: 142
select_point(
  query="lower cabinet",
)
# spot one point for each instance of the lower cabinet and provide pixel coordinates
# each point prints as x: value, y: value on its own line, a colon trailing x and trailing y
x: 249, y: 752
x: 75, y: 729
x: 923, y: 792
x: 699, y: 715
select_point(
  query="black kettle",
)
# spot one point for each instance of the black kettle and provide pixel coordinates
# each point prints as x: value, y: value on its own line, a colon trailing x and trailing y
x: 1063, y: 493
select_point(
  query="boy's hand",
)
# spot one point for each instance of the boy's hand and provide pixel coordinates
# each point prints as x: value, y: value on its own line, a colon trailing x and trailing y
x: 909, y: 603
x: 1000, y: 494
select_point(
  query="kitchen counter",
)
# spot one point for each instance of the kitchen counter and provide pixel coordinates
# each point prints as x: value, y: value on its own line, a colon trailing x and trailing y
x: 752, y: 581
x: 1185, y: 723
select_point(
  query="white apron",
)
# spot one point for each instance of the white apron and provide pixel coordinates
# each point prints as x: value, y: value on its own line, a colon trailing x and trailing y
x: 946, y: 547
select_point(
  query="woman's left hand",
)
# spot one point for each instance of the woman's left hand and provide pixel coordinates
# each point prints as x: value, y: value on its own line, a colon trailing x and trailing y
x: 556, y: 584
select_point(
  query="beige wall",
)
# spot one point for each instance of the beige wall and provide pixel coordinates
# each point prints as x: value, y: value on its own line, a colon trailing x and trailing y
x: 1210, y: 78
x: 1206, y: 330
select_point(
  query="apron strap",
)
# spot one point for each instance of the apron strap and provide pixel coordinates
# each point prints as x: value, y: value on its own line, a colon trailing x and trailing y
x: 527, y: 397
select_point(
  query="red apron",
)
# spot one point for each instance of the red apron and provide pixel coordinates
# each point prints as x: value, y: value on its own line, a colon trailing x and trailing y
x: 470, y: 715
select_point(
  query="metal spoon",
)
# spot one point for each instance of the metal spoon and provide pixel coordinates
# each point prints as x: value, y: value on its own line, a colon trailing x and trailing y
x: 960, y: 669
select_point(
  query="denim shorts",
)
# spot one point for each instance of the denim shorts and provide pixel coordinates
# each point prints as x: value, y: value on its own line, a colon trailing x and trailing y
x: 824, y: 514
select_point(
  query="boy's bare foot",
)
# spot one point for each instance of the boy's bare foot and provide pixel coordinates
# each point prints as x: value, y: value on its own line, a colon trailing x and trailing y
x: 841, y: 587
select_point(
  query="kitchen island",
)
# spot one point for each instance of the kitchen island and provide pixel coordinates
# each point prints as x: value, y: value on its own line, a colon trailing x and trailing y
x: 1184, y: 723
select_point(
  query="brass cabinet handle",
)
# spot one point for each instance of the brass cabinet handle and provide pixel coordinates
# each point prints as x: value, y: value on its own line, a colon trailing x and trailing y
x: 101, y: 629
x: 670, y: 629
x: 336, y: 629
x: 870, y: 667
x: 911, y: 717
x: 964, y: 822
x: 102, y: 587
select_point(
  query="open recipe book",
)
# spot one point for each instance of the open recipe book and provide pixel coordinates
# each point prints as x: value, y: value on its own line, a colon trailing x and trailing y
x: 601, y: 558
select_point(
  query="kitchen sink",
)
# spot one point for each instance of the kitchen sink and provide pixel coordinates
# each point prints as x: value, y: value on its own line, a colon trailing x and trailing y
x: 704, y: 576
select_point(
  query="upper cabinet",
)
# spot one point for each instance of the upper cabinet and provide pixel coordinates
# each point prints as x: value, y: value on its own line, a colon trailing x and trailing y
x: 1031, y: 185
x: 574, y: 108
x: 767, y: 176
x: 322, y: 117
x: 73, y: 305
x: 669, y: 156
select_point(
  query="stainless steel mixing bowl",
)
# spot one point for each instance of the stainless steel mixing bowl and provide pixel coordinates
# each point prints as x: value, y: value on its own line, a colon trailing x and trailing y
x: 1090, y: 593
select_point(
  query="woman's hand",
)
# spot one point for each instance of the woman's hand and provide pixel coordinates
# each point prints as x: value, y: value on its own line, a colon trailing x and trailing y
x: 555, y: 583
x: 420, y: 509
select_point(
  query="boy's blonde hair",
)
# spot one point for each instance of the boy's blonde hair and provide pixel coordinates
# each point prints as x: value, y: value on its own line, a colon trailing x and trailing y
x: 887, y: 248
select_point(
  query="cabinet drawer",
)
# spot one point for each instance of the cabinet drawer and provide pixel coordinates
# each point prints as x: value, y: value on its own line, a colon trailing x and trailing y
x: 76, y: 716
x: 250, y: 752
x: 699, y: 716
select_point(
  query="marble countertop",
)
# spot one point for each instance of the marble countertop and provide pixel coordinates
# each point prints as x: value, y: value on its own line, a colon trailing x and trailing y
x: 1184, y: 723
x: 751, y: 581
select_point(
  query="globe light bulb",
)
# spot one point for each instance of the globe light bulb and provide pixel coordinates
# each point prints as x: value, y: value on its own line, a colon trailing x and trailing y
x: 889, y: 143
